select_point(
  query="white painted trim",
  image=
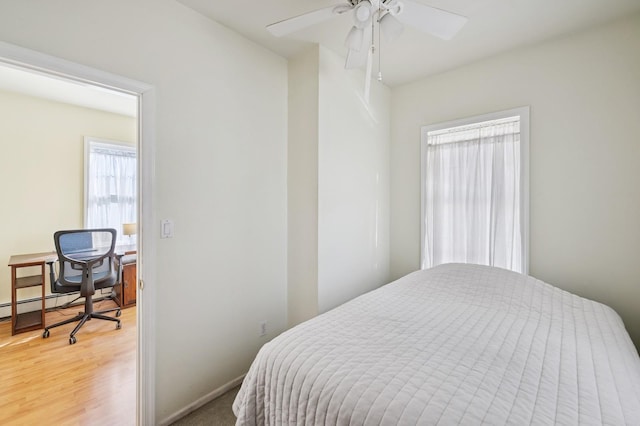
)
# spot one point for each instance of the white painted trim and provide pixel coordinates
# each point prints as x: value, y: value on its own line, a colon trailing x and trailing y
x: 146, y: 365
x: 202, y: 401
x: 423, y: 178
x: 525, y: 138
x: 52, y: 66
x: 55, y: 67
x: 523, y: 113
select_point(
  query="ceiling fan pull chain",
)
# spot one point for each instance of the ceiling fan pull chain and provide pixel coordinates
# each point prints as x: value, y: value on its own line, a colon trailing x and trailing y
x: 379, y: 43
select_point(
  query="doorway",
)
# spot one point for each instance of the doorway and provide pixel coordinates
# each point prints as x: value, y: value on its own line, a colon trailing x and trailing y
x: 143, y: 94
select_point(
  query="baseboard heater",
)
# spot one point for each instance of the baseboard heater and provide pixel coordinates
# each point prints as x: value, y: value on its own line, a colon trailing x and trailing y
x: 5, y: 308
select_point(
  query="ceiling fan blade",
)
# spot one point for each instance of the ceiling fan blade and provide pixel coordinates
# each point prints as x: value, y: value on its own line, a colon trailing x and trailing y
x: 305, y: 20
x: 431, y: 20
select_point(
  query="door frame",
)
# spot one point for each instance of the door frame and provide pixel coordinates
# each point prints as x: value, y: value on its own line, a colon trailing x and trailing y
x: 145, y: 358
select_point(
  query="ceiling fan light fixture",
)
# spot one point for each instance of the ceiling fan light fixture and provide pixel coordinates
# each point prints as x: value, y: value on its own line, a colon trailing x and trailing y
x: 354, y: 39
x: 362, y: 14
x: 390, y: 15
x: 391, y: 27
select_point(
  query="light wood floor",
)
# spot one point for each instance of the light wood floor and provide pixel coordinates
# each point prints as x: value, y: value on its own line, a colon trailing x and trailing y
x: 48, y: 381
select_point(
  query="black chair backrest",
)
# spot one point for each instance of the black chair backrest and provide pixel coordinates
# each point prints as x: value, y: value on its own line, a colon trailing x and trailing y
x: 85, y: 253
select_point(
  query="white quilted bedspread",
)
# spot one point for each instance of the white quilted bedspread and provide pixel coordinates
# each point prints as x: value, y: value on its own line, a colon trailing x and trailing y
x: 457, y: 344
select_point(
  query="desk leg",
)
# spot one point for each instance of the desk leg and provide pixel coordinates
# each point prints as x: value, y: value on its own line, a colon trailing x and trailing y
x: 14, y: 300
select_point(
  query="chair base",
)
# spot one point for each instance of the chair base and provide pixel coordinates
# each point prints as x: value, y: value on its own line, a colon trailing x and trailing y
x: 82, y: 318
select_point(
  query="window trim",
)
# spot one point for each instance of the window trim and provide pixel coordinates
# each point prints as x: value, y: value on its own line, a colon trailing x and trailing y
x: 90, y: 141
x: 523, y: 113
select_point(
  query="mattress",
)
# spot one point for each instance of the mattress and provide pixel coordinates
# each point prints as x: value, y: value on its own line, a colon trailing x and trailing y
x: 455, y: 344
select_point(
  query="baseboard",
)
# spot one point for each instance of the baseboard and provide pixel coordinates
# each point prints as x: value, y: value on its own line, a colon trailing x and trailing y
x: 201, y: 401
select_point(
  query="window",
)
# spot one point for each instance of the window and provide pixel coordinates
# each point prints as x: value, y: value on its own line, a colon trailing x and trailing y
x: 475, y: 191
x: 110, y: 186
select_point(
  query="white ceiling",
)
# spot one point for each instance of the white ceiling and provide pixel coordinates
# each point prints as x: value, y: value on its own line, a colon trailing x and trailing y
x: 494, y: 26
x: 62, y: 90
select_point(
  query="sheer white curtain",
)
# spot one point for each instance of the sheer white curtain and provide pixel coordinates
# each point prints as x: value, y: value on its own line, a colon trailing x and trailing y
x: 472, y: 206
x: 111, y: 187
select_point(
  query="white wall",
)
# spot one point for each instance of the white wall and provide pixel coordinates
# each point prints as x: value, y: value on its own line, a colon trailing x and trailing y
x: 221, y: 125
x: 338, y: 184
x: 353, y: 184
x: 302, y: 182
x: 584, y: 93
x: 42, y: 175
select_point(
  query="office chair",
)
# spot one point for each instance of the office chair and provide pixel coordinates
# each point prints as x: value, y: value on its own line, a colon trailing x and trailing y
x: 88, y: 263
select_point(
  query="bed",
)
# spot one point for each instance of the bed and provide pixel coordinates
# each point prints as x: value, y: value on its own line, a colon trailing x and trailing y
x: 455, y: 344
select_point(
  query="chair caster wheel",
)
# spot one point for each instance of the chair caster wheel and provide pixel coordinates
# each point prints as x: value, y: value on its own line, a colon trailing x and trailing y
x: 118, y: 326
x: 45, y: 334
x: 118, y: 313
x: 72, y: 340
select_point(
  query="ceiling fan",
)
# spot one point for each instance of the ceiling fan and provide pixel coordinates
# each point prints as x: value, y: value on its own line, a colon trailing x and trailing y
x: 389, y: 15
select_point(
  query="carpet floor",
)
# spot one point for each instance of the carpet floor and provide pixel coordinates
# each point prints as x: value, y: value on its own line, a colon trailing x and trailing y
x: 215, y: 413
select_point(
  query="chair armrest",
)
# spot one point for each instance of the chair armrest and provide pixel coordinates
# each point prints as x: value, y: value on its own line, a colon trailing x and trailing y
x: 118, y: 262
x: 52, y: 274
x: 50, y: 263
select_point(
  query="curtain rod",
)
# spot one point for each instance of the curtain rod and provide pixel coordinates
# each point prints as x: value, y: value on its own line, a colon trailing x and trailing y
x: 474, y: 126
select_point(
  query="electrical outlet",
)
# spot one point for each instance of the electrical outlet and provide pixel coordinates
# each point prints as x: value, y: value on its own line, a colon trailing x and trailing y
x: 263, y: 328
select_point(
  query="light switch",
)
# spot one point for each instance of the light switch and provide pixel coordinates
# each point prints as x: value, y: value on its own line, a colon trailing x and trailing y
x: 166, y: 228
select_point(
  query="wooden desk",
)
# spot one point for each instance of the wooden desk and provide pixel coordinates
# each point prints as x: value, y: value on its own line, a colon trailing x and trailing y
x: 127, y: 288
x: 33, y: 320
